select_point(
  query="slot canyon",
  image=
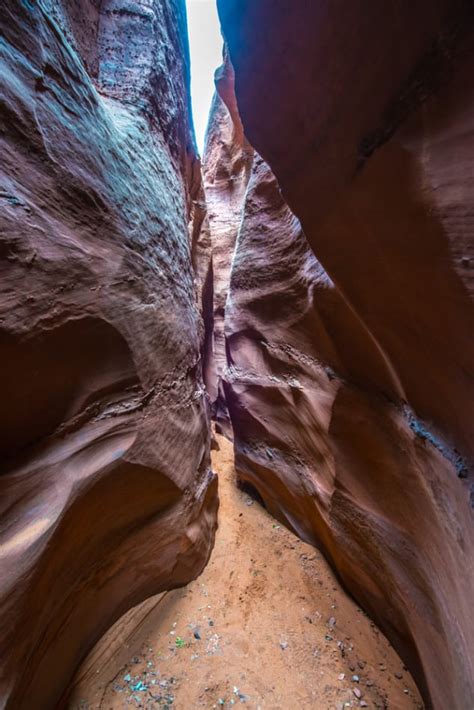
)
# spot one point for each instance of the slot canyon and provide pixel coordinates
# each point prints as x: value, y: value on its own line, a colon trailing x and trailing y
x: 236, y: 425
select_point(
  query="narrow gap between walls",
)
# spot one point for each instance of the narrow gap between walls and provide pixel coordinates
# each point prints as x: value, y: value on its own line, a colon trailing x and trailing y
x: 205, y: 48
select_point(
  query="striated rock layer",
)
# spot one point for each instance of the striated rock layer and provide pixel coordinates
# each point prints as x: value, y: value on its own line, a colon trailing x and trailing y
x: 368, y: 127
x: 343, y: 466
x: 350, y: 379
x: 226, y: 170
x: 101, y: 505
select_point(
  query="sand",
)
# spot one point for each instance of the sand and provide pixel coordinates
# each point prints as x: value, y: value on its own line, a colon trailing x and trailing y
x: 266, y: 625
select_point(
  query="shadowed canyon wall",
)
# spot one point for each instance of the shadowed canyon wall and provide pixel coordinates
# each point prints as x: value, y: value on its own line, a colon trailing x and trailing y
x: 100, y: 332
x: 349, y: 327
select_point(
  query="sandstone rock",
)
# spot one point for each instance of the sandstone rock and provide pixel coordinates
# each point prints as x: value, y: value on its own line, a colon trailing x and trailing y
x: 334, y: 362
x: 226, y: 168
x: 101, y: 504
x: 347, y: 473
x: 321, y: 90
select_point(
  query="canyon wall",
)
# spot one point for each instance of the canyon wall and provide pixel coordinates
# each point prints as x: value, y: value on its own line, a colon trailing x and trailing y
x: 226, y: 170
x: 349, y: 327
x: 101, y: 503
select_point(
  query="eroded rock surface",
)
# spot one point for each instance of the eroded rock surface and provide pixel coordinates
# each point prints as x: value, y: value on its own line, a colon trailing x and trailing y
x: 350, y: 373
x: 101, y: 503
x: 226, y: 170
x: 343, y: 466
x: 390, y: 220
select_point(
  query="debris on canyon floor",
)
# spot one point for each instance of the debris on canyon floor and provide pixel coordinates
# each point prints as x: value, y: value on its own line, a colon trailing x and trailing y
x: 252, y: 631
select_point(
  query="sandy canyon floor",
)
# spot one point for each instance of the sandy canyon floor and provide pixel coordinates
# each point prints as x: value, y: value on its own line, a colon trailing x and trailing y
x: 265, y: 626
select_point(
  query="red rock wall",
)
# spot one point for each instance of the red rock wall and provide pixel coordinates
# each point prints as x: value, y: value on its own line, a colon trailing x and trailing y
x: 106, y: 496
x: 350, y: 377
x: 226, y: 169
x: 388, y: 219
x: 344, y: 466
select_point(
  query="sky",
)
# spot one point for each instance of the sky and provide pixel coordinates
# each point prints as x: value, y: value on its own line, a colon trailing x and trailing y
x: 205, y: 44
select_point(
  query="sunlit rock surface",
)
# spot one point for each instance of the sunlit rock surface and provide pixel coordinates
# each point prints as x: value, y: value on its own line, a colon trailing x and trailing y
x: 349, y: 379
x: 106, y: 496
x: 226, y: 170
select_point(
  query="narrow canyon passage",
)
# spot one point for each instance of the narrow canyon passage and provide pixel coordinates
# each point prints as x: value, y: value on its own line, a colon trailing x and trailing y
x: 266, y: 625
x: 300, y: 285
